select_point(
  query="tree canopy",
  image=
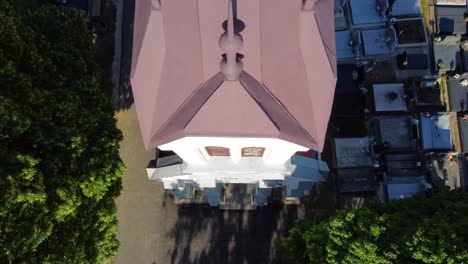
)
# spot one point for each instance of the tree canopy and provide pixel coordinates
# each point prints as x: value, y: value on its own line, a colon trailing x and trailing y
x: 60, y: 168
x: 415, y: 230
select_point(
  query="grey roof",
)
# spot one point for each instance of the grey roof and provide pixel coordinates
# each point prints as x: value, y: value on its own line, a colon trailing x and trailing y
x: 397, y: 131
x: 451, y: 2
x: 353, y: 152
x: 357, y: 180
x: 344, y: 48
x: 366, y: 11
x: 451, y: 19
x: 382, y: 100
x: 401, y: 165
x: 379, y: 41
x: 448, y: 53
x: 406, y: 7
x: 435, y: 131
x: 458, y: 94
x: 463, y: 128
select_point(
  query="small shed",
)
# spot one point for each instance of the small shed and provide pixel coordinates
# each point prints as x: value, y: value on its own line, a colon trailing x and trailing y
x: 436, y: 132
x: 347, y: 44
x: 447, y: 53
x: 353, y: 152
x: 389, y: 97
x: 451, y: 20
x: 406, y: 8
x: 365, y: 12
x: 398, y: 132
x: 377, y: 42
x: 458, y: 92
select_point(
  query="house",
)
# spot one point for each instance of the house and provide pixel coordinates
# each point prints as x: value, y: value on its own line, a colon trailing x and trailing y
x: 435, y: 131
x: 389, y: 97
x: 405, y: 8
x: 451, y: 2
x: 368, y: 12
x: 447, y: 53
x: 348, y: 45
x: 406, y: 188
x: 451, y: 19
x: 397, y: 132
x: 353, y: 153
x: 379, y: 42
x: 357, y: 180
x: 458, y: 92
x: 234, y: 102
x: 463, y: 130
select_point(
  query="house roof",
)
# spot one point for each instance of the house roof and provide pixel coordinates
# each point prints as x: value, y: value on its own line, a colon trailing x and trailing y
x: 383, y: 103
x: 344, y: 49
x: 451, y: 20
x: 353, y: 152
x: 447, y: 53
x: 463, y: 127
x: 451, y: 2
x: 396, y: 131
x: 285, y: 90
x: 458, y: 94
x: 379, y: 41
x: 405, y: 7
x: 366, y: 11
x: 435, y: 131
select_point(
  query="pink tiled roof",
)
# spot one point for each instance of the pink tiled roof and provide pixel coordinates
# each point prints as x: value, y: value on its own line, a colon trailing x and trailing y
x: 286, y: 89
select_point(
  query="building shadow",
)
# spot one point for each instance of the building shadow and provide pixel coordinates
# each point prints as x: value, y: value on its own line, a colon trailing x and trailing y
x: 205, y: 234
x: 124, y: 96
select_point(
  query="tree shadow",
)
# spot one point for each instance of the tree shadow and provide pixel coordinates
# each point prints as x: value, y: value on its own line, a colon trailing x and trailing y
x: 205, y: 234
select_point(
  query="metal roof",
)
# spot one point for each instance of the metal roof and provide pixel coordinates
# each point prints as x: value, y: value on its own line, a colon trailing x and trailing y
x: 285, y: 91
x: 435, y: 131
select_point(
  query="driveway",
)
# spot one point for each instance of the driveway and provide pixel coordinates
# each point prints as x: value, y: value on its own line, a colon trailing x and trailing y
x: 154, y: 230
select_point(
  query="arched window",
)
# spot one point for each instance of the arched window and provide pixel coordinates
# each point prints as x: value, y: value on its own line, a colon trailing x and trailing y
x: 217, y: 151
x: 253, y: 152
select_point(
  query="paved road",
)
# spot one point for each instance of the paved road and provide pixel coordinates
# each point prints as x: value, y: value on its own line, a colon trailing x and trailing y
x: 153, y: 230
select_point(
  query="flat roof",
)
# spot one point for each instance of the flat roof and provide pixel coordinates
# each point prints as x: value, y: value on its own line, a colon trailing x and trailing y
x: 451, y: 2
x: 463, y: 127
x: 458, y: 94
x: 383, y: 97
x: 357, y: 180
x: 402, y: 165
x: 406, y: 7
x: 447, y: 53
x: 379, y: 41
x: 344, y: 48
x: 435, y: 131
x: 396, y: 131
x: 398, y: 191
x: 353, y: 152
x: 340, y: 18
x: 451, y: 19
x: 366, y: 11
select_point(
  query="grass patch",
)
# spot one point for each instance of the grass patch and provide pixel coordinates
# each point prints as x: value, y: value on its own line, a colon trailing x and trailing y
x: 426, y: 15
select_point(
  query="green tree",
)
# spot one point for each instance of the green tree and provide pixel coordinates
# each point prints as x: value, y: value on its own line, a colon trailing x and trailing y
x: 60, y: 168
x: 415, y: 230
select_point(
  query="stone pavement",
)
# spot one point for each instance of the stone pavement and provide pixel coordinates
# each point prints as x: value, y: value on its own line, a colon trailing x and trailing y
x: 154, y: 230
